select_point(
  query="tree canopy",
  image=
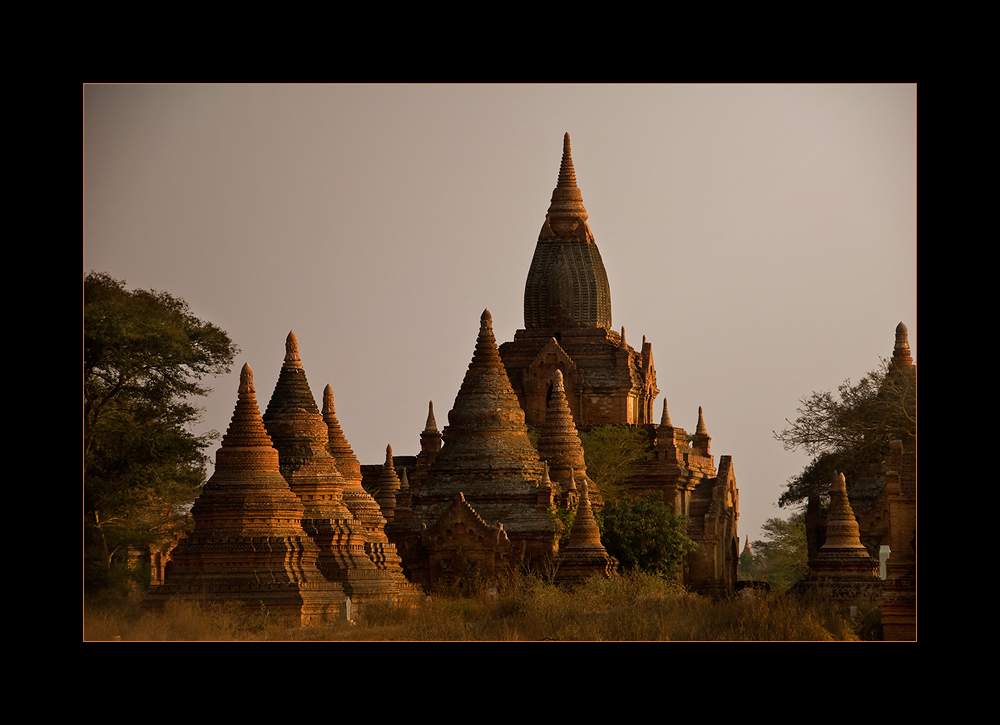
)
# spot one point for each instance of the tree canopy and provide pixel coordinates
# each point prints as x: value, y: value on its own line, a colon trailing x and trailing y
x: 145, y: 355
x: 781, y: 558
x: 645, y: 535
x: 612, y: 453
x: 850, y: 432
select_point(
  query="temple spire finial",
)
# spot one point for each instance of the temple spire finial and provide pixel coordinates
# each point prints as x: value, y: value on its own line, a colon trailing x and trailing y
x: 292, y: 350
x: 901, y: 358
x: 567, y: 174
x: 431, y: 424
x: 665, y: 418
x: 246, y: 380
x: 567, y: 217
x: 701, y: 429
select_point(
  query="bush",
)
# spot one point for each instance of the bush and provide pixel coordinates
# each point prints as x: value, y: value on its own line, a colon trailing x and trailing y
x: 645, y: 535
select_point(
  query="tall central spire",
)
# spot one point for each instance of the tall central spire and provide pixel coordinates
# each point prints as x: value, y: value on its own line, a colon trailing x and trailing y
x: 567, y: 284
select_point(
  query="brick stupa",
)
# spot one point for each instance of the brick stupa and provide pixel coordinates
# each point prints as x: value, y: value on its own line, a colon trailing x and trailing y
x: 559, y: 446
x: 487, y: 458
x: 248, y: 544
x: 360, y: 502
x: 301, y: 436
x: 843, y: 563
x: 584, y: 556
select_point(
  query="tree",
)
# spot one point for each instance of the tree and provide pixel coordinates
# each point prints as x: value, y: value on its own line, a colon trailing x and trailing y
x: 781, y: 558
x: 645, y: 535
x: 612, y: 453
x: 144, y: 357
x: 850, y: 433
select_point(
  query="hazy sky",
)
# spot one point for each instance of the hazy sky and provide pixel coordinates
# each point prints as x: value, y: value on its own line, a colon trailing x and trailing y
x: 762, y: 238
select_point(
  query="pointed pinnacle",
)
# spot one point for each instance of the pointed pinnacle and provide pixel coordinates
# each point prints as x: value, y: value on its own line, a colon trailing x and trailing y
x: 292, y: 350
x: 567, y: 216
x: 567, y: 174
x: 665, y: 418
x: 431, y: 424
x: 388, y: 455
x: 623, y: 345
x: 701, y: 429
x: 246, y: 380
x: 902, y: 338
x: 328, y: 400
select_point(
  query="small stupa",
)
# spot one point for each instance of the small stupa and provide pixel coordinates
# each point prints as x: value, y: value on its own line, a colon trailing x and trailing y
x: 559, y: 445
x: 584, y: 556
x: 842, y: 562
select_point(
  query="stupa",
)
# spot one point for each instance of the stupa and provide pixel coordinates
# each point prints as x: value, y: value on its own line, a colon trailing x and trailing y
x: 559, y: 446
x: 584, y: 556
x: 843, y: 564
x: 487, y: 458
x: 301, y: 436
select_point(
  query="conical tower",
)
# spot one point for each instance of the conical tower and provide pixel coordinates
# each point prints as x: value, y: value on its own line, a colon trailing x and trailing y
x: 487, y: 456
x: 567, y: 324
x: 300, y: 434
x: 361, y: 503
x: 584, y: 556
x: 248, y: 544
x: 567, y: 284
x: 559, y: 445
x: 388, y: 486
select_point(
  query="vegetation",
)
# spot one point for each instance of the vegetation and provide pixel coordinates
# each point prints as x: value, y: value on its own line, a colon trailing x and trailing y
x: 562, y: 521
x: 850, y: 432
x: 144, y: 357
x: 612, y: 453
x: 645, y: 535
x: 521, y: 608
x: 781, y: 557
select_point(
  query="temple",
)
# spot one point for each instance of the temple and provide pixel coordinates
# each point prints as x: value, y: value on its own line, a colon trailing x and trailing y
x: 479, y: 498
x: 567, y: 325
x: 569, y: 351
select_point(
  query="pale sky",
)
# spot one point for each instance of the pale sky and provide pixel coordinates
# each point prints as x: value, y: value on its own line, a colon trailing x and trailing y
x: 762, y: 238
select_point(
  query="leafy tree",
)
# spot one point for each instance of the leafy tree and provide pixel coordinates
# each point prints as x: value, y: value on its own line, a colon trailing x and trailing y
x: 645, y: 535
x: 850, y: 432
x: 144, y: 357
x: 781, y: 558
x: 612, y: 453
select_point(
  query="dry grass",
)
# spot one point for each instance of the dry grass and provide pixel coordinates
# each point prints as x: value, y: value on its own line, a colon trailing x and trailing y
x: 521, y: 608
